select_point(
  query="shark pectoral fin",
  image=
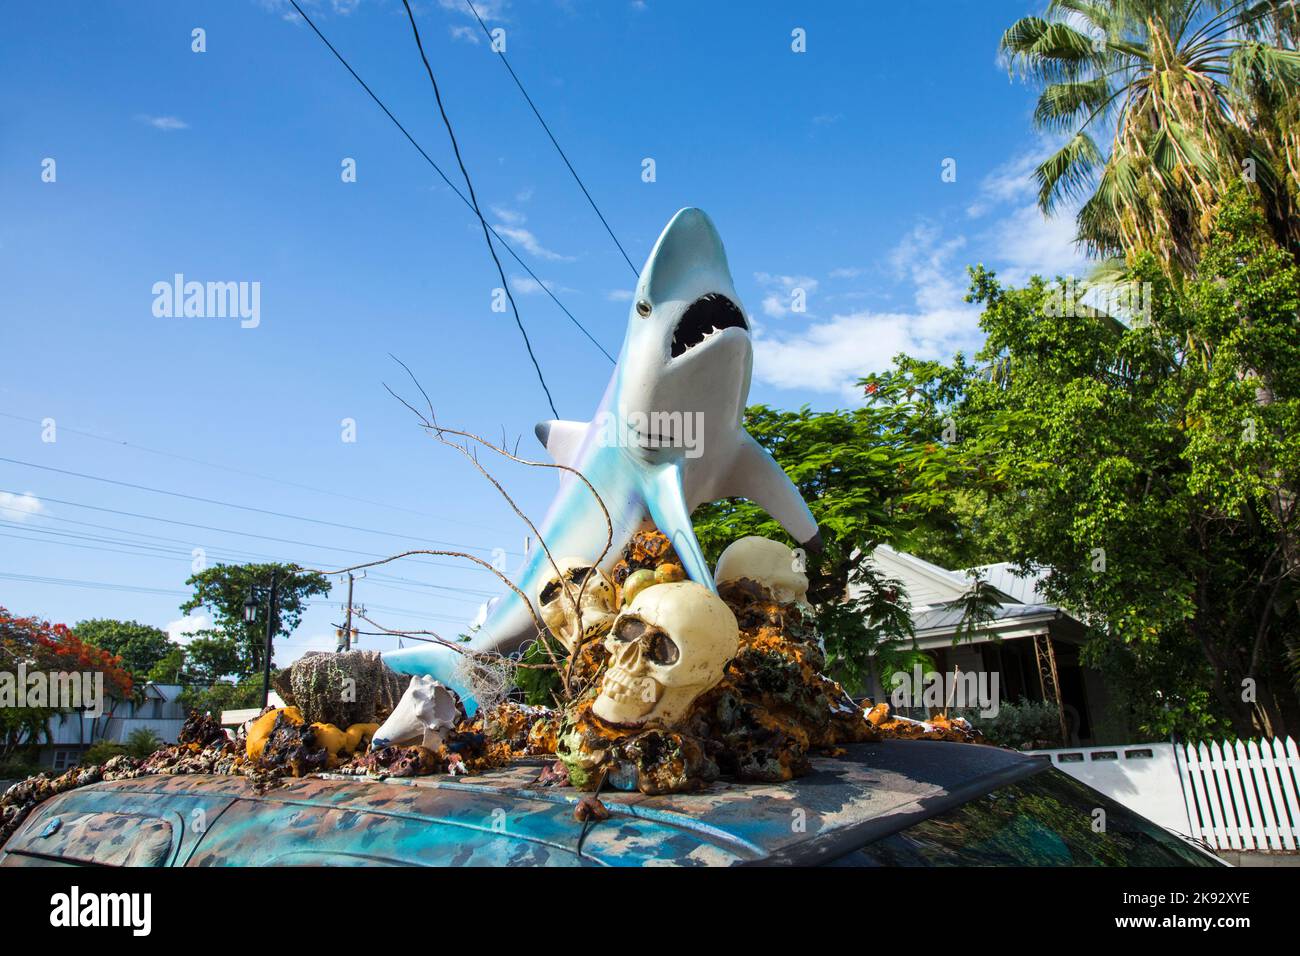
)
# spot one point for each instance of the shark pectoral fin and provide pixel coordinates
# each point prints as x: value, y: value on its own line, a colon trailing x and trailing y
x: 562, y: 439
x: 667, y: 506
x: 756, y: 475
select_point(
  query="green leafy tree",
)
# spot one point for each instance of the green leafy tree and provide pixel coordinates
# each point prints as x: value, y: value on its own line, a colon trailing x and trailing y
x: 1147, y: 465
x: 170, y: 668
x: 211, y: 656
x: 224, y: 695
x: 1196, y: 95
x: 140, y: 646
x: 233, y: 642
x: 869, y: 475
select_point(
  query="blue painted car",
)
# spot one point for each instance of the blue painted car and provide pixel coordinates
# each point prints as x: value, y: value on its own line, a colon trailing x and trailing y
x: 907, y: 803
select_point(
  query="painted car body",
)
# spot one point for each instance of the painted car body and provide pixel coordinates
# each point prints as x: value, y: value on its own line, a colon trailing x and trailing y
x: 504, y: 819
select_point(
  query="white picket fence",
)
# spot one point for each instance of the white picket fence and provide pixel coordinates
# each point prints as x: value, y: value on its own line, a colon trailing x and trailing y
x: 1233, y: 796
x: 1243, y: 796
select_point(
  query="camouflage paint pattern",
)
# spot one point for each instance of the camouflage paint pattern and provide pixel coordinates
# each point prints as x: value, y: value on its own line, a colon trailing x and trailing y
x: 497, y: 819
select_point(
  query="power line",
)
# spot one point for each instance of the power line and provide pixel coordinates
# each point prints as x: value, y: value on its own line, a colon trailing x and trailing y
x: 554, y: 142
x: 450, y: 185
x: 229, y: 504
x: 240, y: 471
x: 244, y: 534
x: 97, y: 585
x: 469, y: 186
x: 138, y: 589
x: 144, y: 550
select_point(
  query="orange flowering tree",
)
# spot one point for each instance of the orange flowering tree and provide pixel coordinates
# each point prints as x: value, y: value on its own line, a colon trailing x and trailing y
x: 44, y: 647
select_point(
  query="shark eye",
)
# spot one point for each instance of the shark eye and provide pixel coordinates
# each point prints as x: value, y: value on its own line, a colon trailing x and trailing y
x: 643, y: 308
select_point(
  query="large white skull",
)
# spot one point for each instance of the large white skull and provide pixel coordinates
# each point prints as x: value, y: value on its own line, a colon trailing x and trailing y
x: 578, y: 602
x: 667, y: 647
x: 765, y: 562
x: 424, y: 714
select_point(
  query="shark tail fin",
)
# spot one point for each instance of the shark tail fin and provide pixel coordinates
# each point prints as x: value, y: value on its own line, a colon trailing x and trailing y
x: 434, y: 660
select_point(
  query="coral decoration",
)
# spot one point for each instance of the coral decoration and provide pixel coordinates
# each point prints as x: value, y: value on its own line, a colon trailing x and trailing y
x: 773, y: 709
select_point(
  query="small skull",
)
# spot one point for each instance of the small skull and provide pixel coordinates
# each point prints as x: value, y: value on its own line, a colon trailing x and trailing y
x: 667, y: 647
x: 767, y: 563
x: 581, y: 582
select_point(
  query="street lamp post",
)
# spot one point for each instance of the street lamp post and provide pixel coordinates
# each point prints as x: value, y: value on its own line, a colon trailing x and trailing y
x: 250, y: 615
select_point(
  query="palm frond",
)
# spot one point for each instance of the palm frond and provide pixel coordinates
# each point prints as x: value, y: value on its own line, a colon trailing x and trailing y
x: 1053, y: 52
x: 1060, y: 104
x: 1067, y: 172
x: 1265, y: 70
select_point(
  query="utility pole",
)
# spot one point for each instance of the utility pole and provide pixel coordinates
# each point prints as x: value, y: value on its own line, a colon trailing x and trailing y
x: 347, y: 626
x: 270, y: 633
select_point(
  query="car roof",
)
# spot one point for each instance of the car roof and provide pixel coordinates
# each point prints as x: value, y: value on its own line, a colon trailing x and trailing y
x: 502, y: 818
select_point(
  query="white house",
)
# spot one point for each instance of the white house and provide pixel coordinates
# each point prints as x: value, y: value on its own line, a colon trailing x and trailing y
x: 1030, y: 643
x: 71, y: 733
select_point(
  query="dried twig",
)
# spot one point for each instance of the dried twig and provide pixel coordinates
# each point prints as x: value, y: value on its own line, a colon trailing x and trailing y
x: 439, y: 432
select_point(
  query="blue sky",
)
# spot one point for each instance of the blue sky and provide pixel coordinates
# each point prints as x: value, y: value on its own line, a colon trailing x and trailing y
x: 821, y: 169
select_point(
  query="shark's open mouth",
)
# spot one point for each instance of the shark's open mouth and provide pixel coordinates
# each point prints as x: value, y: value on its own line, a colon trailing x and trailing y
x: 708, y: 314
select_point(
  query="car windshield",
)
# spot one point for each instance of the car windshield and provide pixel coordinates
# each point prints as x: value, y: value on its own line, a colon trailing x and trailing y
x: 1049, y: 819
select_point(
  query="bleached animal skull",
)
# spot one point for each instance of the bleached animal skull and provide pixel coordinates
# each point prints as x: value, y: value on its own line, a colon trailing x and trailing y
x: 565, y: 594
x: 426, y: 711
x: 667, y: 647
x: 765, y: 562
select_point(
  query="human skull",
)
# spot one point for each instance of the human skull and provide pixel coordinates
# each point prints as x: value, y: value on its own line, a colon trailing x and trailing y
x: 581, y: 582
x: 768, y: 563
x: 667, y: 647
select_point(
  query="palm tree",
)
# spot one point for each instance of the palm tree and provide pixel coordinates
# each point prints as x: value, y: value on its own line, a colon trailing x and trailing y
x: 1193, y: 94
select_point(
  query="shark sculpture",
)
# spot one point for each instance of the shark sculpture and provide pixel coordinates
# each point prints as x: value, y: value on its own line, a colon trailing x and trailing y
x: 668, y: 436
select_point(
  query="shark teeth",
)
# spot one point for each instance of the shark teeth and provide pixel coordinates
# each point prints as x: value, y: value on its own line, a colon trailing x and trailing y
x: 708, y: 314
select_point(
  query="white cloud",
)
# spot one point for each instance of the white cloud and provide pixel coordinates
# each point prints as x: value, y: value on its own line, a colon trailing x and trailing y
x: 181, y: 631
x: 19, y: 507
x: 287, y: 12
x: 1022, y: 241
x: 511, y: 217
x: 289, y: 649
x: 487, y: 9
x: 1027, y: 243
x: 779, y: 292
x: 165, y: 123
x: 1012, y: 237
x: 830, y: 355
x: 1013, y: 180
x: 466, y: 34
x: 530, y: 243
x: 527, y: 285
x: 619, y: 295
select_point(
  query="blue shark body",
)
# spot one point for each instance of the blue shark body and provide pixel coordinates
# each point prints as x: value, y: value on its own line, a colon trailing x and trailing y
x: 667, y: 436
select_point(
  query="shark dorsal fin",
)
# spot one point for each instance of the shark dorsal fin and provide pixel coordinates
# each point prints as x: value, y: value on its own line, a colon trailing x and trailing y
x: 562, y: 439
